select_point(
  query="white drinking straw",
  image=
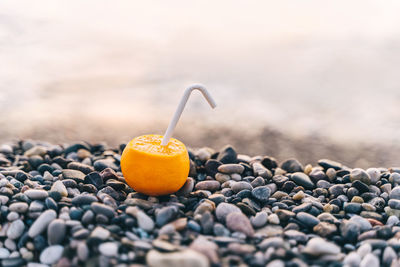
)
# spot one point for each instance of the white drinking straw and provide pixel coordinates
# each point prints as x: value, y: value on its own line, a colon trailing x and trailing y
x: 181, y: 106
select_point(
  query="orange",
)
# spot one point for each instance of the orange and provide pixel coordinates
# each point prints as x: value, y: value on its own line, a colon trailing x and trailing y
x: 152, y: 169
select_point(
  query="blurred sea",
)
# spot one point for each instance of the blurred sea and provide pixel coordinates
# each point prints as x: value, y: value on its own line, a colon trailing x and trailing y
x: 307, y: 79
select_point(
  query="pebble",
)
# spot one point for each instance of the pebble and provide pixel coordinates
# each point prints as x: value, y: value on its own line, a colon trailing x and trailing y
x: 292, y: 165
x: 103, y: 209
x: 56, y: 232
x: 16, y: 229
x: 36, y: 194
x: 308, y: 219
x: 144, y: 221
x: 184, y: 258
x: 75, y: 175
x: 41, y: 223
x: 51, y: 254
x: 109, y: 249
x: 358, y: 174
x: 395, y: 193
x: 259, y: 220
x: 239, y: 186
x: 59, y: 187
x: 302, y: 179
x: 94, y: 178
x: 4, y: 253
x: 317, y: 247
x: 209, y: 185
x: 237, y: 221
x: 224, y: 209
x: 261, y: 193
x: 231, y: 168
x: 20, y: 207
x: 165, y: 215
x: 370, y: 260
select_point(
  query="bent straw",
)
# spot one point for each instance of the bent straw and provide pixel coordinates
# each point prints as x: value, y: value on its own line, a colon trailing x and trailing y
x: 181, y: 106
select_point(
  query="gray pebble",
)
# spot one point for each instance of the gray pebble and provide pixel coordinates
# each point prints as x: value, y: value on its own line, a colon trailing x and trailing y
x: 16, y: 229
x: 41, y: 223
x: 56, y: 232
x: 224, y: 209
x: 302, y: 179
x: 36, y: 194
x: 109, y: 249
x: 51, y: 254
x: 239, y: 186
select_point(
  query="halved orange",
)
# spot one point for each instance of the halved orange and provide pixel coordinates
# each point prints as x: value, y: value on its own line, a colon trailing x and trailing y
x: 152, y: 169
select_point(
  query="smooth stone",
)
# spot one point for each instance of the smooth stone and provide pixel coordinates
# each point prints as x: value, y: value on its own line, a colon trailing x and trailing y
x: 56, y: 232
x: 51, y: 254
x: 273, y: 219
x: 261, y: 171
x: 364, y: 224
x: 36, y: 194
x: 16, y: 229
x: 109, y: 249
x: 394, y: 178
x: 144, y: 221
x: 259, y: 220
x: 12, y: 216
x: 4, y: 253
x: 211, y: 167
x: 302, y: 179
x: 352, y: 207
x: 227, y: 155
x: 36, y: 151
x: 102, y: 164
x: 318, y: 247
x: 222, y: 178
x: 100, y: 233
x: 166, y: 214
x: 327, y: 163
x: 224, y: 209
x: 239, y: 186
x: 84, y: 199
x: 20, y: 207
x: 370, y: 260
x: 292, y: 165
x: 94, y: 178
x: 261, y: 193
x: 184, y: 258
x: 41, y: 223
x: 275, y: 242
x: 336, y: 190
x: 389, y: 254
x: 295, y: 235
x: 75, y: 175
x: 360, y: 186
x: 374, y: 174
x: 210, y: 185
x: 103, y: 209
x: 325, y: 229
x: 231, y: 168
x: 237, y: 221
x: 352, y: 259
x: 80, y: 167
x: 187, y: 187
x: 394, y: 204
x: 395, y: 193
x: 308, y: 219
x: 207, y: 248
x: 82, y: 251
x: 59, y: 187
x: 350, y: 231
x: 358, y: 174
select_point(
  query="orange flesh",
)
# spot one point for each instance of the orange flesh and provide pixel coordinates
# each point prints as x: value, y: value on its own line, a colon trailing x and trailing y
x: 153, y: 169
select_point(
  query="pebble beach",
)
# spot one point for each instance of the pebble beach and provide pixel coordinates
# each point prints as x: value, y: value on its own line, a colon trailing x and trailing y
x: 69, y: 205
